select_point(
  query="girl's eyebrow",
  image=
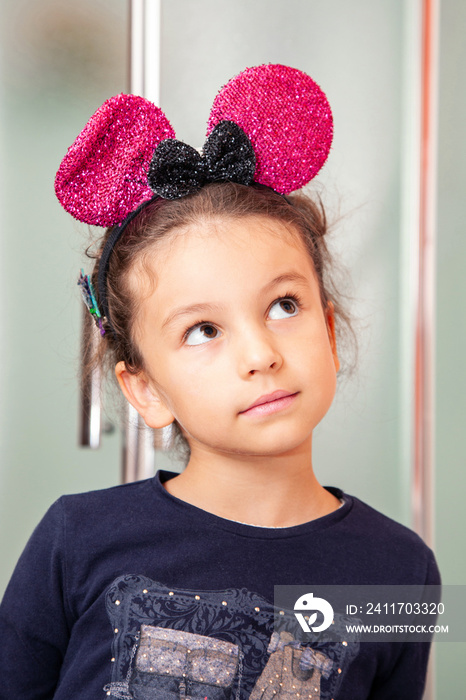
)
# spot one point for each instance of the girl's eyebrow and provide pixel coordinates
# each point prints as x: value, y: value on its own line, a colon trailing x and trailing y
x: 212, y: 308
x: 191, y: 309
x: 287, y: 277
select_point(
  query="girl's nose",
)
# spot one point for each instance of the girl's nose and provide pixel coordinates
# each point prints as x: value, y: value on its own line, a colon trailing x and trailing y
x: 258, y: 353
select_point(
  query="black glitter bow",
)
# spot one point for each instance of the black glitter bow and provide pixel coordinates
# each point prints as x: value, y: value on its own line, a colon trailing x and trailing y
x: 177, y: 169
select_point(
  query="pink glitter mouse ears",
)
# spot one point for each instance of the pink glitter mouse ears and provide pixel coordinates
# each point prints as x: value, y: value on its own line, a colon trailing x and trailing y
x: 282, y: 111
x: 270, y: 125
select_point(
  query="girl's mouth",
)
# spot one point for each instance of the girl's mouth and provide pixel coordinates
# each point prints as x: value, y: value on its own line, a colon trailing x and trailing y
x: 270, y: 403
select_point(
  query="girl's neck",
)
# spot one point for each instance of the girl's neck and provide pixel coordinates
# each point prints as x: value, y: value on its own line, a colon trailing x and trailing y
x: 269, y: 492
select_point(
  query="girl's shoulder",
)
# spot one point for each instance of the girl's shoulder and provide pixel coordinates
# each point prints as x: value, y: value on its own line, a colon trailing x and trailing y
x: 389, y: 545
x: 80, y: 518
x: 107, y: 498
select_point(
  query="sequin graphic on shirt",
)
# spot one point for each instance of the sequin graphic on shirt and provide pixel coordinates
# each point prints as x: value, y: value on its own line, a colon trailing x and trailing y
x: 171, y: 644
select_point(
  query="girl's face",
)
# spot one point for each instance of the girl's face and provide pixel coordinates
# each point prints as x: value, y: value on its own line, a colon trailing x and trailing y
x: 236, y: 344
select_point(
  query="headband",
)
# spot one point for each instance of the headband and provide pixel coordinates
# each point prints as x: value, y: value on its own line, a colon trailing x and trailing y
x: 270, y: 125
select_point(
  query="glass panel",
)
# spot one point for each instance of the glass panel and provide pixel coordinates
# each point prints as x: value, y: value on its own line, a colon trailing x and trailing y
x: 451, y: 326
x: 358, y: 445
x: 59, y: 61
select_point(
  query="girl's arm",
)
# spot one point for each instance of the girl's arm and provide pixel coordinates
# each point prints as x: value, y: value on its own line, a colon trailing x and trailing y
x: 34, y: 622
x: 406, y: 679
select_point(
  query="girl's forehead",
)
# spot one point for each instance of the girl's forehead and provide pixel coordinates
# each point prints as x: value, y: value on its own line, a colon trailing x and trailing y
x: 219, y: 258
x: 251, y: 236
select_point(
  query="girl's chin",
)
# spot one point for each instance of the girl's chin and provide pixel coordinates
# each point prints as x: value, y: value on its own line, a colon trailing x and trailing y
x: 277, y: 447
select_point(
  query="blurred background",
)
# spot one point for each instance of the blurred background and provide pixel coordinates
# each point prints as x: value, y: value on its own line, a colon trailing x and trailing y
x: 59, y: 61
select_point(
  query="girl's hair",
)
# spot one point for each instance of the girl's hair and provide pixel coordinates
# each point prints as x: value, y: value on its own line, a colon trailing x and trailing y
x: 216, y: 201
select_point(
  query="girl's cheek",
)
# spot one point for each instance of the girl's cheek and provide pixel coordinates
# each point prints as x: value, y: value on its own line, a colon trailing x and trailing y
x: 200, y: 356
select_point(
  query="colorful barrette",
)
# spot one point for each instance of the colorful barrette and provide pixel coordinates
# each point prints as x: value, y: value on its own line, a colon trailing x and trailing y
x: 270, y: 125
x: 88, y: 295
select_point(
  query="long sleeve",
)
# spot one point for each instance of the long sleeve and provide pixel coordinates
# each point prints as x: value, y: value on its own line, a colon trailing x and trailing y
x: 406, y: 679
x: 34, y: 625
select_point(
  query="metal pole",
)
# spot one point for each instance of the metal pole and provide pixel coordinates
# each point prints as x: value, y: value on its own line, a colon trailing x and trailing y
x: 417, y: 309
x: 152, y: 34
x: 136, y: 46
x: 424, y: 423
x: 138, y: 449
x: 417, y: 295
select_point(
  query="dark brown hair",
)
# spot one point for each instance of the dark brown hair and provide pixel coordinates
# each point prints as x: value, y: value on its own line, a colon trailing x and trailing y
x: 224, y: 200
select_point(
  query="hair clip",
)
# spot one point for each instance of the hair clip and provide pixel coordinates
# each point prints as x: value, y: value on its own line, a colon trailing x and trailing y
x: 88, y: 295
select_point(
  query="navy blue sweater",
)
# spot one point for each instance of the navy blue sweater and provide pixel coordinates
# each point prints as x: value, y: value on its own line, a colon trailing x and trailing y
x: 106, y: 572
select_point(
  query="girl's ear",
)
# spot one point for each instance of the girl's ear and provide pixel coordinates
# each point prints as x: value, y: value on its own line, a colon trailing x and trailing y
x: 330, y: 318
x: 142, y: 395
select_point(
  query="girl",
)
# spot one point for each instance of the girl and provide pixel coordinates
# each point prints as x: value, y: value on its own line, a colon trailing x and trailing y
x: 213, y: 302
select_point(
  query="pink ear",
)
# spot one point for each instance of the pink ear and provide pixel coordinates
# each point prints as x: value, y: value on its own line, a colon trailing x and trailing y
x: 287, y: 118
x: 103, y: 176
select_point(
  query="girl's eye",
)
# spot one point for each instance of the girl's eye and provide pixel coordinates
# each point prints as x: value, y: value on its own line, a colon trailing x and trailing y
x: 201, y: 334
x: 283, y: 308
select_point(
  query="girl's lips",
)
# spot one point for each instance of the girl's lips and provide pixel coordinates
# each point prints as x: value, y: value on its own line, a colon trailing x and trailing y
x: 270, y: 403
